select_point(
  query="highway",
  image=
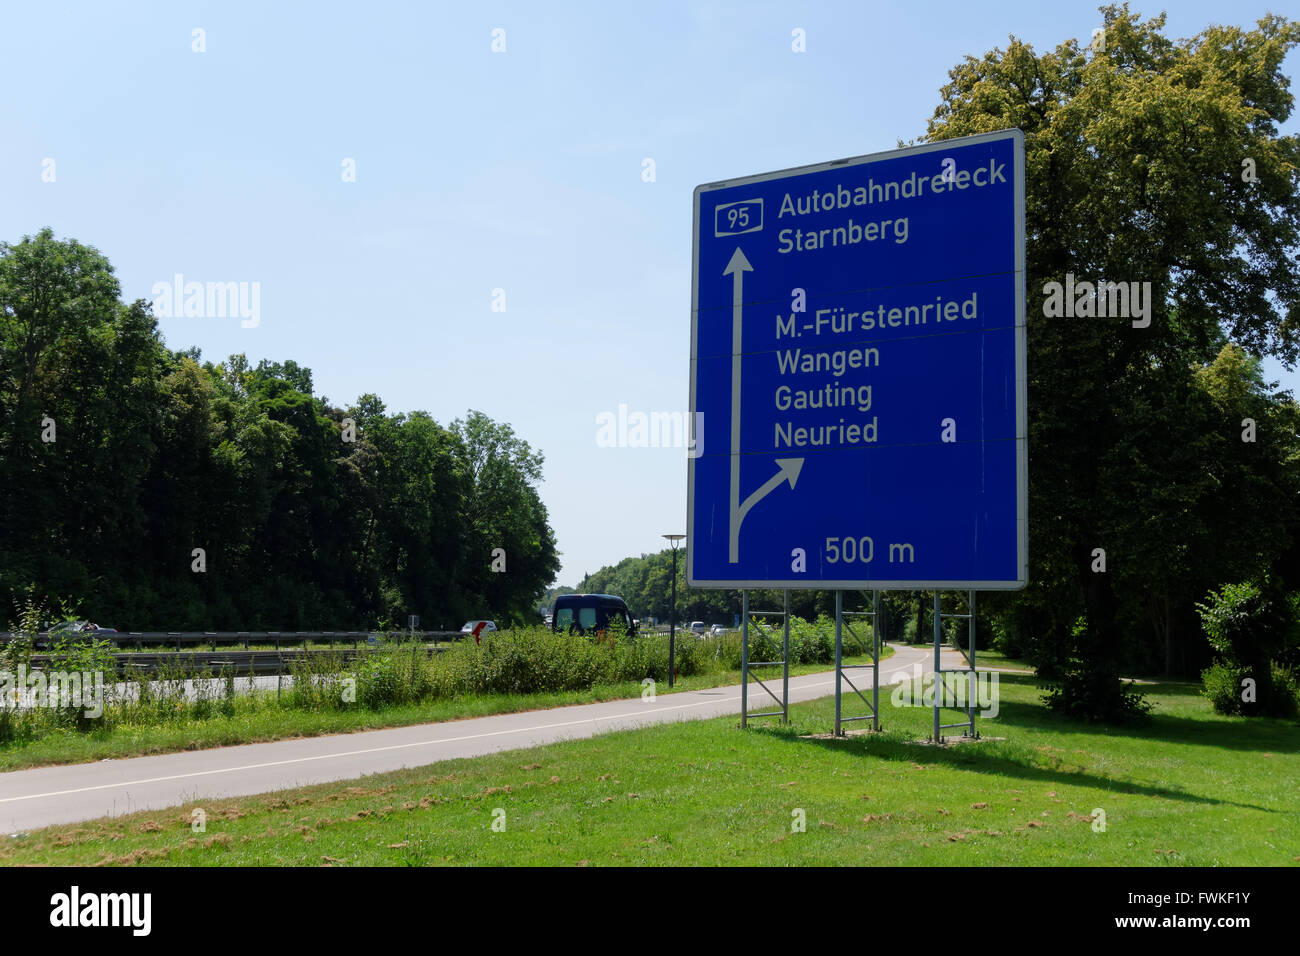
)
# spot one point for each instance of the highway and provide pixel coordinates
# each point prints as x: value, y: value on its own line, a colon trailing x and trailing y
x: 45, y: 796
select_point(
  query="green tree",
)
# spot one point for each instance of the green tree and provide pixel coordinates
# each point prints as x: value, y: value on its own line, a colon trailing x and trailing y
x: 1134, y: 158
x: 302, y: 524
x: 506, y: 523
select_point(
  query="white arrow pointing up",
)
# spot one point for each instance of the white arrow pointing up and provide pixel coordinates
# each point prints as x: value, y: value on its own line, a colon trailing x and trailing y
x: 789, y: 468
x: 736, y: 268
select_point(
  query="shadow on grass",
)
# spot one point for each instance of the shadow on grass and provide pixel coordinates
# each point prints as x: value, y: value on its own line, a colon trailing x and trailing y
x: 1179, y: 689
x: 1259, y: 734
x: 971, y: 757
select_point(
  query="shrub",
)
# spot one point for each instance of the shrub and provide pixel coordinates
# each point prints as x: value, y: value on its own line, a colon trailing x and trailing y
x: 1222, y: 685
x: 694, y: 656
x: 1249, y: 625
x: 726, y: 650
x: 1286, y: 685
x: 810, y: 643
x: 16, y: 726
x: 318, y: 682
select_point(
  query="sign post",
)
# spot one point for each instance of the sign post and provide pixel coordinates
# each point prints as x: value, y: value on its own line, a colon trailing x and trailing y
x: 858, y: 373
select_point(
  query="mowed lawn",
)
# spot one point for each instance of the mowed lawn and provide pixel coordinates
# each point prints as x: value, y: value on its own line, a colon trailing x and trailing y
x: 1187, y: 788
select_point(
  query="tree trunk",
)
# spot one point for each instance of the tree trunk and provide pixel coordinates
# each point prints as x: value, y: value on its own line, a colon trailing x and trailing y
x: 1169, y: 640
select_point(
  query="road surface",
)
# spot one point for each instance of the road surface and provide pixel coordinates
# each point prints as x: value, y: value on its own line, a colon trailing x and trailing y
x: 45, y: 796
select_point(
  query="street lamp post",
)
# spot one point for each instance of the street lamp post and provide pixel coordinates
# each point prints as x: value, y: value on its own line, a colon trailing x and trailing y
x: 672, y: 614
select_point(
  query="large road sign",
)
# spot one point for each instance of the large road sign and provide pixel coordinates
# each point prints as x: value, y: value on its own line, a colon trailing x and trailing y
x: 858, y: 373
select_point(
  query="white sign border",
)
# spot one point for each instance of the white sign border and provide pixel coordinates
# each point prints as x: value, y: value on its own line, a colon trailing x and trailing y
x: 1022, y: 385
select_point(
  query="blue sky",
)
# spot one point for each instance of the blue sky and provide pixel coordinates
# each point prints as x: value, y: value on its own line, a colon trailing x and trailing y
x: 475, y: 171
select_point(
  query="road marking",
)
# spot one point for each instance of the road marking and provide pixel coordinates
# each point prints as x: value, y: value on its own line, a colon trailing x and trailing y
x: 371, y: 750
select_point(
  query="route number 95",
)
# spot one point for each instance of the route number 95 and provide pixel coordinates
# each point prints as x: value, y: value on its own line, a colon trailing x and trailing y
x: 849, y: 550
x: 736, y: 218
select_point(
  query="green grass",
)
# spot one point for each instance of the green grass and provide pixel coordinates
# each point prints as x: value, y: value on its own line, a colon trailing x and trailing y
x: 1187, y: 788
x: 984, y: 657
x: 258, y: 719
x: 991, y: 658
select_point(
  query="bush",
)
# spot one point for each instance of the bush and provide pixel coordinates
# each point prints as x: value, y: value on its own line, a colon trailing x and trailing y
x: 1222, y: 685
x: 1250, y: 625
x: 814, y: 642
x: 318, y: 682
x: 693, y: 656
x: 1286, y: 685
x: 17, y: 726
x: 1240, y: 620
x: 726, y: 650
x: 810, y: 643
x: 1225, y: 688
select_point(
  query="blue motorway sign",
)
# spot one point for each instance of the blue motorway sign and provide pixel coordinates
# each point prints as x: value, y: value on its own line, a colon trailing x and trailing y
x: 858, y: 373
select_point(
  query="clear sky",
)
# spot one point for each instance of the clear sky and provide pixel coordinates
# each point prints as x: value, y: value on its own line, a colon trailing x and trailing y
x: 522, y: 171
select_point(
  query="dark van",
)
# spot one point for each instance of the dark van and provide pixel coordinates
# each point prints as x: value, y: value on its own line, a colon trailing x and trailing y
x: 589, y: 613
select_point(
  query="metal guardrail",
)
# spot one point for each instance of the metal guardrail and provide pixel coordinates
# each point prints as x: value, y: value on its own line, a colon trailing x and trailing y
x: 181, y: 653
x: 180, y: 639
x: 191, y: 664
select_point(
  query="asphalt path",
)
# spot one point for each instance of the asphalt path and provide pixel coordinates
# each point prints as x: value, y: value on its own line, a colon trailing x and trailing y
x: 45, y: 796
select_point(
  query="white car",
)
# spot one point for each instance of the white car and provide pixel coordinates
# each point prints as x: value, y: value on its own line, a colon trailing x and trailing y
x: 471, y: 625
x: 699, y: 628
x: 717, y: 630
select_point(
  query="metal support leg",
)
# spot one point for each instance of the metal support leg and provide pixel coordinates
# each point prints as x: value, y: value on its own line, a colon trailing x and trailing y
x: 744, y: 658
x: 839, y: 657
x: 971, y: 677
x: 957, y: 689
x: 785, y: 664
x: 844, y: 624
x: 938, y: 668
x: 749, y: 666
x: 875, y: 660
